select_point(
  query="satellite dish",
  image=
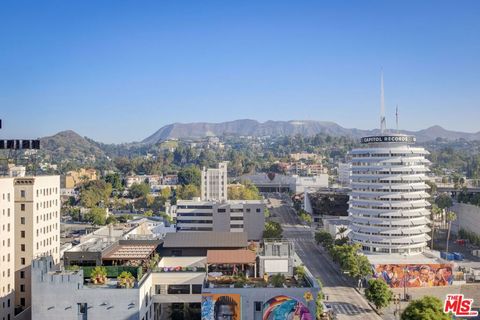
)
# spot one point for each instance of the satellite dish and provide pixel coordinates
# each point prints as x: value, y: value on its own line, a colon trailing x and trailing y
x: 271, y: 175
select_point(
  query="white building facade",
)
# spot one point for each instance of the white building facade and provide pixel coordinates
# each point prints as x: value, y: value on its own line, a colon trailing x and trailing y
x: 214, y: 183
x: 388, y: 209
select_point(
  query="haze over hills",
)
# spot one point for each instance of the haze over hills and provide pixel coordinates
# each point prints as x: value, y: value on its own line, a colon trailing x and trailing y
x: 70, y: 145
x: 249, y: 127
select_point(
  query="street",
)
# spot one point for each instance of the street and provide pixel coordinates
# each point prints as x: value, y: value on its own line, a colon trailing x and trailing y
x: 346, y: 302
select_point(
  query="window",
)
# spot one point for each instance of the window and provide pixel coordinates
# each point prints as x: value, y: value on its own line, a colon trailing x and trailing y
x: 22, y: 220
x: 22, y: 234
x: 22, y: 261
x: 22, y: 274
x: 22, y: 193
x: 179, y: 289
x: 258, y: 306
x: 22, y: 207
x: 196, y: 288
x: 22, y: 288
x: 22, y: 247
x: 22, y: 301
x: 258, y: 210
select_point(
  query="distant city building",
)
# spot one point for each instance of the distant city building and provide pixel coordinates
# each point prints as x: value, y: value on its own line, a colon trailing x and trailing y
x: 16, y: 171
x: 74, y: 179
x: 312, y: 183
x: 231, y: 216
x: 7, y: 249
x: 388, y: 201
x: 214, y: 183
x: 344, y: 170
x: 305, y: 156
x: 37, y: 228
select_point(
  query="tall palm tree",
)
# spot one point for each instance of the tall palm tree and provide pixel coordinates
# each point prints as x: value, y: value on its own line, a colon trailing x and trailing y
x: 451, y: 216
x: 435, y: 212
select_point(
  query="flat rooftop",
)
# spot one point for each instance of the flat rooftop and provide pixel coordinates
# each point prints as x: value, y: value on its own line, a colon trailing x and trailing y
x: 240, y: 256
x: 206, y: 240
x: 198, y: 262
x: 130, y: 252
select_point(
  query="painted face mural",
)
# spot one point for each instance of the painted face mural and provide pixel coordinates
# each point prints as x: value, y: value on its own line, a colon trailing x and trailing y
x: 285, y: 308
x: 221, y: 307
x: 417, y: 275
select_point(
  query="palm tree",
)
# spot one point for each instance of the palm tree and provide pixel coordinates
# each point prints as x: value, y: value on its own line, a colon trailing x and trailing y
x: 451, y: 216
x: 435, y: 212
x: 341, y: 232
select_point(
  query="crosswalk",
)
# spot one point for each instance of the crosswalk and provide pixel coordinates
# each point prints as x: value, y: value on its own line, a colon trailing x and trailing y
x: 341, y: 308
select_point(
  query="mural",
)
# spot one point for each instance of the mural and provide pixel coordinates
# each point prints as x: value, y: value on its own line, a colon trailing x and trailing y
x: 285, y: 308
x: 414, y: 275
x: 221, y: 307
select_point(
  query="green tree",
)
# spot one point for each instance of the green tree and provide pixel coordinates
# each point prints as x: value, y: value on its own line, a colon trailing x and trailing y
x: 273, y: 230
x: 189, y: 175
x: 139, y: 190
x: 97, y: 216
x: 451, y: 216
x: 426, y: 308
x: 435, y: 213
x: 324, y: 238
x: 378, y: 293
x: 111, y: 219
x: 115, y: 180
x: 188, y: 192
x: 94, y: 192
x: 244, y: 191
x: 277, y: 280
x: 444, y: 201
x: 148, y: 213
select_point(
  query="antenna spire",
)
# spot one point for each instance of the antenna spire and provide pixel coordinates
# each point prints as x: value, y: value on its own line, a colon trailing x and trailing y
x: 383, y: 122
x: 396, y: 117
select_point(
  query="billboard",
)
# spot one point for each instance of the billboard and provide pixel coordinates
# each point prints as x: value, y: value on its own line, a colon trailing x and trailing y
x: 221, y: 307
x: 414, y: 275
x: 283, y: 307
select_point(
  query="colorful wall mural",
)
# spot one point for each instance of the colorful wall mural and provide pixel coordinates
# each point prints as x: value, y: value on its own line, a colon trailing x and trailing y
x: 285, y: 308
x: 221, y: 307
x: 414, y: 275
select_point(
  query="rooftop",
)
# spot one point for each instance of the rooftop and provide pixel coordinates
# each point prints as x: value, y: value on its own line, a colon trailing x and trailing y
x: 241, y: 256
x: 132, y: 251
x: 206, y: 240
x: 427, y: 257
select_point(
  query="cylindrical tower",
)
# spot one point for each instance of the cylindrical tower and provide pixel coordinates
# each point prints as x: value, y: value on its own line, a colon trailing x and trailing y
x: 388, y: 209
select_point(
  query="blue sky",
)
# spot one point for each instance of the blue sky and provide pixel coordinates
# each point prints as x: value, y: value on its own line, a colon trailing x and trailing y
x: 116, y: 71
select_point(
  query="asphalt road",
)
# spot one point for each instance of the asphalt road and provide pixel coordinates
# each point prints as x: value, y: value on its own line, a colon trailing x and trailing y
x: 346, y: 302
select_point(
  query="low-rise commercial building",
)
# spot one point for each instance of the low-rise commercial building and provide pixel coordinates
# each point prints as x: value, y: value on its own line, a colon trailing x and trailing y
x: 231, y: 216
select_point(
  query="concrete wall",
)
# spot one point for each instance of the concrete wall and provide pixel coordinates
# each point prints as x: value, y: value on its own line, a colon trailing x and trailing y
x: 468, y: 217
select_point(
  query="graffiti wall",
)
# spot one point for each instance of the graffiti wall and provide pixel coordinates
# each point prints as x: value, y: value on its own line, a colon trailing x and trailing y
x: 283, y: 307
x: 414, y: 275
x: 221, y: 306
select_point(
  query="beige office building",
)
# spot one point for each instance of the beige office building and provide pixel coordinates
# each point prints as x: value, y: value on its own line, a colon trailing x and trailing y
x: 7, y: 255
x: 214, y: 183
x: 37, y: 228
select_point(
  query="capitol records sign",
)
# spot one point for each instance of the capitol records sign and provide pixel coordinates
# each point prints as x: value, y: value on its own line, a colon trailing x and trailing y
x: 380, y: 139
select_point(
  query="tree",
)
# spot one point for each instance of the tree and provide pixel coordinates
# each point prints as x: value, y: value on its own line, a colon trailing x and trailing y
x: 277, y: 280
x: 189, y: 175
x: 139, y: 190
x: 426, y: 308
x: 95, y: 192
x: 188, y: 192
x: 435, y: 212
x: 324, y: 238
x: 451, y: 216
x: 244, y: 191
x: 97, y: 216
x: 378, y: 293
x: 111, y: 219
x: 273, y: 230
x: 115, y: 180
x: 148, y: 213
x: 444, y: 201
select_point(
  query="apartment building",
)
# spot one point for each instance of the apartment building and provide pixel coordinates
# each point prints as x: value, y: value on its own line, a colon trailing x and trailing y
x: 7, y: 254
x: 231, y: 216
x: 74, y: 179
x: 37, y: 228
x: 214, y: 183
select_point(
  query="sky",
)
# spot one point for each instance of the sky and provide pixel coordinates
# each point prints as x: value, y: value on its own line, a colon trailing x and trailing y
x: 117, y: 71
